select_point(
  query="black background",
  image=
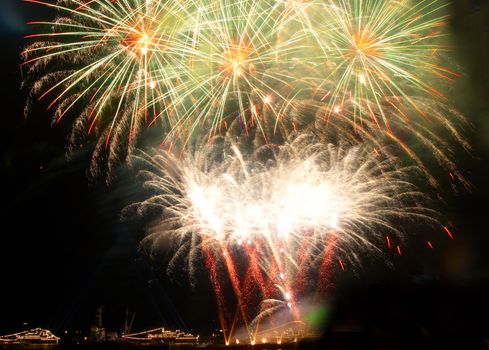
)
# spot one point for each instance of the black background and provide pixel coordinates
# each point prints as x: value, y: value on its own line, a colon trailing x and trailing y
x: 64, y: 249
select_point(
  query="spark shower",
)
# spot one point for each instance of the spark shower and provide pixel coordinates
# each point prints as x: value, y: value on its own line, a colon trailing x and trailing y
x: 293, y: 132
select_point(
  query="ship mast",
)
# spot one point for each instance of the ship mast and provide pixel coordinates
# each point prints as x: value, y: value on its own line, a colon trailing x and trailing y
x: 98, y: 317
x: 127, y: 324
x: 97, y: 331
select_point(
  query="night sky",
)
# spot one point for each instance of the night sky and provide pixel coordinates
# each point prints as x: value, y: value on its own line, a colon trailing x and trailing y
x: 65, y: 250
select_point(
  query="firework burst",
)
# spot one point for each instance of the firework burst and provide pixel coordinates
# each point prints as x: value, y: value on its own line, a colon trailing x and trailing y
x: 98, y: 61
x: 288, y: 211
x: 189, y: 65
x: 200, y: 68
x: 241, y: 68
x: 381, y: 52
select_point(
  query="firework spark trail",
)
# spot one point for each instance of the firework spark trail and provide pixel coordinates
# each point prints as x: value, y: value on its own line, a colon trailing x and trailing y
x: 281, y: 211
x: 325, y: 270
x: 430, y: 145
x: 237, y: 287
x: 210, y: 264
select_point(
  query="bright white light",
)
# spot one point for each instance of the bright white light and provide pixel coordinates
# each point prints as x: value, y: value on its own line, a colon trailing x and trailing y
x: 310, y: 195
x: 362, y: 78
x: 295, y: 198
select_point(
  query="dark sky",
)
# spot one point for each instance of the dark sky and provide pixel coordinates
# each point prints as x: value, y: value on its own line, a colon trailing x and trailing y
x: 64, y: 249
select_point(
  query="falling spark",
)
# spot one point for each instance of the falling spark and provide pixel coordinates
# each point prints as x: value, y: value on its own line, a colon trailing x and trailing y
x: 448, y: 232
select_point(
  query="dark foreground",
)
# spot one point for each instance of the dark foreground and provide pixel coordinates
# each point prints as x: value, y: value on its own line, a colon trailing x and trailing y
x: 336, y: 341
